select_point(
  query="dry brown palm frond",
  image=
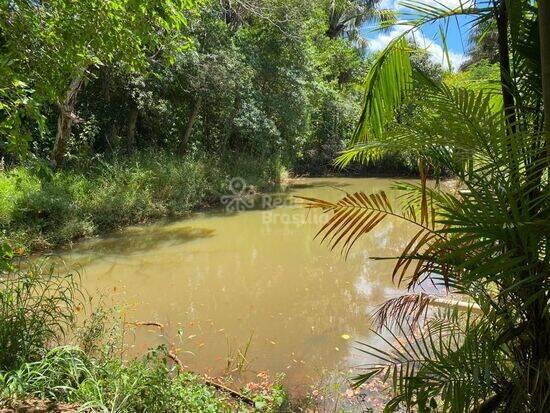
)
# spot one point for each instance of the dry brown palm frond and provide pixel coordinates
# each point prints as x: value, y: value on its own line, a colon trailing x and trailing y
x: 411, y: 309
x: 408, y: 308
x: 357, y: 214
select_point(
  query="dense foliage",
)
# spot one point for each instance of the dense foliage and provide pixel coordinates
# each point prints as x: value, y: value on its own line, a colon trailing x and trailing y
x: 488, y: 242
x: 272, y: 78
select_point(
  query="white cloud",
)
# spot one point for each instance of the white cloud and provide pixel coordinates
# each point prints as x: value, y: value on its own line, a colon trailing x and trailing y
x: 450, y: 4
x: 387, y: 4
x: 436, y: 52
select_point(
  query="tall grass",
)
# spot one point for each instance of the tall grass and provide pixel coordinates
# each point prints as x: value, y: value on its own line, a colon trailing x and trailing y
x: 67, y: 374
x: 93, y: 198
x: 37, y: 308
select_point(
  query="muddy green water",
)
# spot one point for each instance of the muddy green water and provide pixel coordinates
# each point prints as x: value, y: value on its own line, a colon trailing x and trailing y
x: 226, y: 278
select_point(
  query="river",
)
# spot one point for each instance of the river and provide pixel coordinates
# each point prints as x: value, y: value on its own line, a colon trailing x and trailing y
x: 253, y: 281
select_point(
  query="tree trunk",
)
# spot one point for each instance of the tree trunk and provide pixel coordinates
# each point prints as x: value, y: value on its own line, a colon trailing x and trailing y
x: 334, y: 31
x: 544, y: 35
x: 182, y: 149
x: 111, y: 122
x: 504, y: 60
x: 65, y: 121
x: 131, y: 133
x: 111, y: 138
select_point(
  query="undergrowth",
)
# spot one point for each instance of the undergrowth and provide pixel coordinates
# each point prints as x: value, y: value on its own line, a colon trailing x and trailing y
x: 45, y: 210
x: 67, y: 374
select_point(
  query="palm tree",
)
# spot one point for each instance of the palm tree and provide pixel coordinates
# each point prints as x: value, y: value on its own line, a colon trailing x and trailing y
x: 346, y: 17
x: 488, y: 243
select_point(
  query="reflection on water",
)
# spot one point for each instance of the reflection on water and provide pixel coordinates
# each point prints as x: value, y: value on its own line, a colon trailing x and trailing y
x: 222, y: 277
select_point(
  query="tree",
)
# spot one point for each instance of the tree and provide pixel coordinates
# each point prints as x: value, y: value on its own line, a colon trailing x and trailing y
x: 60, y: 44
x: 487, y: 243
x: 345, y: 17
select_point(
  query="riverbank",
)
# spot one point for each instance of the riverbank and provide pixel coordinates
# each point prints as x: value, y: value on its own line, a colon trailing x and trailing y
x: 53, y: 360
x: 41, y: 210
x: 69, y: 380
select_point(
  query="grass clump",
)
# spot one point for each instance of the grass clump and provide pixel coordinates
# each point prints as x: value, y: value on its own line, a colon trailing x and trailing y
x: 36, y: 309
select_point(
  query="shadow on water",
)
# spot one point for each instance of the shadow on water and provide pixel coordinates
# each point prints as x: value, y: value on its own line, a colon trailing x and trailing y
x: 283, y: 195
x: 144, y: 239
x: 309, y: 185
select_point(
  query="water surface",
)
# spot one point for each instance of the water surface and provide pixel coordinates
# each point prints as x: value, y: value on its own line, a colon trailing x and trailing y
x: 227, y: 278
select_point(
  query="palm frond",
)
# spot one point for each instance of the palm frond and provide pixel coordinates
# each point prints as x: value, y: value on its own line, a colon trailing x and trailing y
x: 390, y: 78
x: 387, y: 83
x: 450, y: 361
x: 410, y: 308
x: 358, y: 214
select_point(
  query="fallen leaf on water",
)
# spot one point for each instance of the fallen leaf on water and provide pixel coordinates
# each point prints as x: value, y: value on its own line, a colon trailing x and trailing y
x: 345, y: 336
x: 272, y: 342
x: 201, y: 345
x: 336, y: 348
x: 191, y: 336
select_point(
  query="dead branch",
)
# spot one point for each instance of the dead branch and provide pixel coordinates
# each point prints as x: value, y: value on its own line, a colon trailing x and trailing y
x: 173, y: 356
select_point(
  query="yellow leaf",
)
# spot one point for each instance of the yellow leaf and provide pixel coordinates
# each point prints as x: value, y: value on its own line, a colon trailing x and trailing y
x: 345, y: 336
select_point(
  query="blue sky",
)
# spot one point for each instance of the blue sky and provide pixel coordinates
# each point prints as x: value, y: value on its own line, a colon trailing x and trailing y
x: 457, y: 34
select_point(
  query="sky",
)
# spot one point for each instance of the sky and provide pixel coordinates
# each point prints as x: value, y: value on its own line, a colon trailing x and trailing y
x: 457, y: 33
